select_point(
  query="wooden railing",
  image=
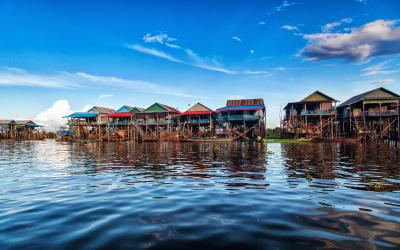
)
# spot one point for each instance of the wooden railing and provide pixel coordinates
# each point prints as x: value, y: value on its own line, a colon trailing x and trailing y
x: 239, y: 118
x: 318, y: 112
x: 381, y: 113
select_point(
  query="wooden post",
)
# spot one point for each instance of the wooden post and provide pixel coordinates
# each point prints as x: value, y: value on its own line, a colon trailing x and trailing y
x: 108, y: 129
x: 363, y: 114
x: 305, y: 109
x: 350, y: 114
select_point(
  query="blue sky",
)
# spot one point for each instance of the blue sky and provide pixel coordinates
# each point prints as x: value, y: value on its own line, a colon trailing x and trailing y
x: 62, y: 56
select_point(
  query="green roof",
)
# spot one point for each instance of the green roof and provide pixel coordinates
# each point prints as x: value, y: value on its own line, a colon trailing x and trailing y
x: 136, y: 110
x: 160, y: 108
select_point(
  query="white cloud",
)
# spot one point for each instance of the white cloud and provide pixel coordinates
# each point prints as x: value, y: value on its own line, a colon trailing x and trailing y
x: 86, y: 108
x: 19, y: 77
x: 284, y: 5
x: 82, y: 80
x: 236, y: 38
x: 204, y: 63
x: 289, y: 27
x: 51, y: 118
x: 378, y: 82
x: 193, y: 59
x: 105, y: 96
x: 101, y: 97
x: 137, y: 85
x: 376, y: 38
x: 153, y: 52
x: 161, y: 38
x: 382, y: 82
x: 261, y: 23
x: 378, y: 69
x: 347, y: 20
x: 331, y: 26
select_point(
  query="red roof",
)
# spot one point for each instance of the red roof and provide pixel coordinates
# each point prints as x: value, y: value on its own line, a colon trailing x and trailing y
x: 169, y: 108
x: 245, y: 102
x: 194, y: 113
x: 120, y: 114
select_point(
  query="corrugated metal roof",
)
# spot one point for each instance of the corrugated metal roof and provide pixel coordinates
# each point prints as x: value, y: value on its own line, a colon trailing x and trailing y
x: 101, y: 110
x: 81, y: 115
x: 290, y: 103
x: 362, y: 96
x: 241, y: 108
x: 245, y: 102
x: 121, y: 114
x: 195, y: 113
x: 170, y: 109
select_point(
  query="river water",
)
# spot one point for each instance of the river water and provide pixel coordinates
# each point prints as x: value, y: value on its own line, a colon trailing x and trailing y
x: 198, y: 196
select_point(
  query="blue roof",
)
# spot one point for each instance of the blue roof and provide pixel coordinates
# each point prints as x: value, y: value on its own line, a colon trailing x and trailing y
x: 124, y: 109
x: 81, y: 115
x: 243, y: 107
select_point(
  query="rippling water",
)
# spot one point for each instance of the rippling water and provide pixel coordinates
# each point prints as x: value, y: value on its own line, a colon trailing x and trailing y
x: 198, y: 196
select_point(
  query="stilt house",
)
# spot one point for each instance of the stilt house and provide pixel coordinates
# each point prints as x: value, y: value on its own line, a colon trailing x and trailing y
x: 241, y: 119
x: 372, y: 115
x: 313, y: 116
x: 196, y: 122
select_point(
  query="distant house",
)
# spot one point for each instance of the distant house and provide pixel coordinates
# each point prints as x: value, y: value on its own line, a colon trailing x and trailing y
x: 19, y: 130
x: 156, y: 114
x: 136, y: 110
x: 312, y: 116
x: 123, y: 116
x: 94, y: 116
x: 244, y: 118
x: 196, y: 122
x: 6, y: 125
x: 26, y: 125
x: 124, y: 109
x: 196, y: 114
x: 374, y: 114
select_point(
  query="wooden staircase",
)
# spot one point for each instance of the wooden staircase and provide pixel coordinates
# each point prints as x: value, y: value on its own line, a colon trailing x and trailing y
x: 359, y: 122
x: 139, y: 130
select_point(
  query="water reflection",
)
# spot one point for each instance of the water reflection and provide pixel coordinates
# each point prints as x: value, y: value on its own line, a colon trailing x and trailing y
x: 232, y: 164
x: 373, y: 167
x: 198, y: 196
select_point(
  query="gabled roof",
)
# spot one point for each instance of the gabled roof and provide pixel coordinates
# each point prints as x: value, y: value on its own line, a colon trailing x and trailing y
x: 124, y: 108
x: 375, y: 94
x: 290, y: 104
x: 136, y: 110
x: 198, y: 107
x: 318, y: 96
x: 160, y: 108
x: 26, y: 122
x: 241, y: 108
x: 245, y: 102
x: 4, y: 122
x: 101, y: 110
x: 22, y: 122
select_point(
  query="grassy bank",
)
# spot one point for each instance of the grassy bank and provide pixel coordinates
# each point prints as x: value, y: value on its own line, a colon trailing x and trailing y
x: 287, y: 140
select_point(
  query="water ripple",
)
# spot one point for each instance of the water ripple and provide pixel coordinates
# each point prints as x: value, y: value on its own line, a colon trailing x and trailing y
x: 198, y: 196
